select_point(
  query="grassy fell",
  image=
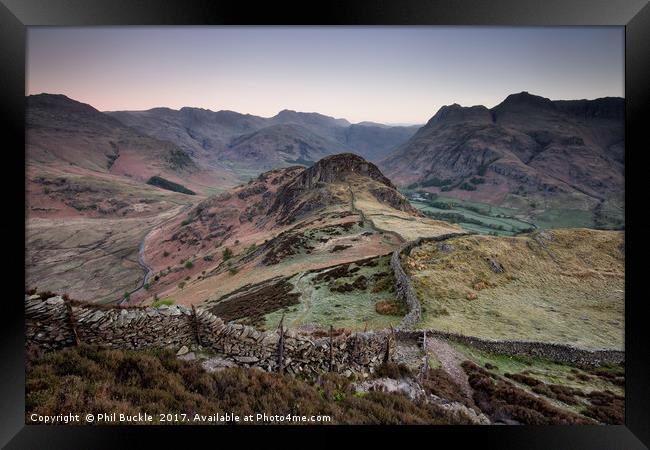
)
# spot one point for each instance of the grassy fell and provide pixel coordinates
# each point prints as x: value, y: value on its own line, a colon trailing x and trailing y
x: 163, y: 301
x: 562, y: 286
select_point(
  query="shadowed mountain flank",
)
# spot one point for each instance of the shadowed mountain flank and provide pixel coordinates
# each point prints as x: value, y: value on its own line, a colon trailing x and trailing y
x: 277, y: 146
x: 526, y: 149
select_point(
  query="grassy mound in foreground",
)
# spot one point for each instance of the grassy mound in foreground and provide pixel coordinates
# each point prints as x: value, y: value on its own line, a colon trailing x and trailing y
x: 92, y: 380
x: 563, y: 286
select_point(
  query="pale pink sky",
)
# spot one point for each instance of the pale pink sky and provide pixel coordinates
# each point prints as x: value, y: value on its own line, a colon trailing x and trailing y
x: 382, y: 74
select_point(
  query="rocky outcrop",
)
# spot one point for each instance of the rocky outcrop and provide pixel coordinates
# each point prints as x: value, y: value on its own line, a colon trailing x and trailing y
x: 411, y: 389
x: 310, y: 191
x: 390, y: 196
x: 338, y: 168
x: 457, y: 113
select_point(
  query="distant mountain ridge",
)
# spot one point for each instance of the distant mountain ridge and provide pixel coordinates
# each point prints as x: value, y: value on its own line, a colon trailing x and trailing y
x: 525, y: 150
x: 216, y: 135
x: 277, y: 146
x: 221, y: 147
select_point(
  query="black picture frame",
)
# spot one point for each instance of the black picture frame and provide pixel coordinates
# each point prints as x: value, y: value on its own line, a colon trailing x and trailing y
x: 16, y: 15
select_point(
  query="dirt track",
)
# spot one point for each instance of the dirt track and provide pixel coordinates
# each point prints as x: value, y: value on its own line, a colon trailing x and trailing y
x: 450, y: 361
x: 141, y: 262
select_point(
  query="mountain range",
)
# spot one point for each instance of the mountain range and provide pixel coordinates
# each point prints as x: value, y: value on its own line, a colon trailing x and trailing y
x: 527, y: 149
x: 245, y: 141
x: 528, y: 152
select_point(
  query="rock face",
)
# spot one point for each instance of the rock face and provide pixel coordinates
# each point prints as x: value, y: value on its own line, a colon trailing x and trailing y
x: 411, y: 389
x: 525, y: 145
x: 456, y: 113
x: 338, y: 168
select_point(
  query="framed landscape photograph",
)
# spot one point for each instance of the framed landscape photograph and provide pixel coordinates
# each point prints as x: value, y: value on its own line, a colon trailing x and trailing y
x: 406, y: 219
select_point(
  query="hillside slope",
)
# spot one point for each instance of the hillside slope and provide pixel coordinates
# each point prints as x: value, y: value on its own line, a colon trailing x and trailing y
x: 88, y: 206
x: 74, y: 137
x: 265, y: 246
x: 278, y: 146
x: 564, y: 285
x: 61, y: 131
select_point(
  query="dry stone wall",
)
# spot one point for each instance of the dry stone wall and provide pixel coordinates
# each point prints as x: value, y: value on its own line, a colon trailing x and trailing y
x: 55, y: 323
x: 47, y: 323
x: 403, y: 285
x: 565, y: 354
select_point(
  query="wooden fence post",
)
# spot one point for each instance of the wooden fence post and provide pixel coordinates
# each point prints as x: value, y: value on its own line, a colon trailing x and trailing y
x: 68, y: 308
x: 390, y: 336
x: 195, y: 325
x: 425, y: 364
x: 387, y: 354
x: 281, y: 347
x: 331, y: 348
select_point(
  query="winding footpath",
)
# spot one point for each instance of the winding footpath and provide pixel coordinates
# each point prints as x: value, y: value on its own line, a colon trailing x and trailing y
x: 450, y: 360
x: 305, y: 289
x: 360, y: 212
x: 148, y: 270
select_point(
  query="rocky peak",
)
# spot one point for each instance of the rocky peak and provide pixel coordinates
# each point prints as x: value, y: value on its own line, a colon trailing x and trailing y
x: 456, y: 113
x: 338, y: 168
x: 58, y: 112
x: 311, y: 189
x: 524, y: 101
x: 60, y: 103
x: 196, y: 113
x: 161, y: 110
